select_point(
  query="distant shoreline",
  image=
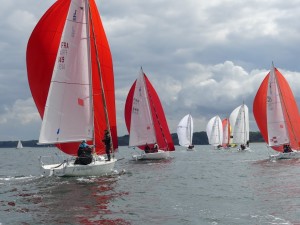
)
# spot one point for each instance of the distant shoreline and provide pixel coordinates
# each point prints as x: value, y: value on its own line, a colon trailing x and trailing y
x: 199, y: 138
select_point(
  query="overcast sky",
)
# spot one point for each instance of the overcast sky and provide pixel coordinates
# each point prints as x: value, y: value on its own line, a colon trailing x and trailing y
x: 202, y: 57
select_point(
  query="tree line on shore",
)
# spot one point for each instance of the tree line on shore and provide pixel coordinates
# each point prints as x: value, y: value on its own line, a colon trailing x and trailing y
x: 199, y: 138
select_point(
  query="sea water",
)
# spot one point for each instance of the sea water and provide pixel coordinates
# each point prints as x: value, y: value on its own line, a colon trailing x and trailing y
x: 204, y: 186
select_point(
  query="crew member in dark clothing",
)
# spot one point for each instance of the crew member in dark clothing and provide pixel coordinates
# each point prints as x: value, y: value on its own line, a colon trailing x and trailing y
x: 107, y: 143
x: 84, y: 154
x: 147, y: 148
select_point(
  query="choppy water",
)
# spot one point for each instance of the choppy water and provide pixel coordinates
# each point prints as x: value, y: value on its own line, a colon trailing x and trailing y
x: 201, y: 187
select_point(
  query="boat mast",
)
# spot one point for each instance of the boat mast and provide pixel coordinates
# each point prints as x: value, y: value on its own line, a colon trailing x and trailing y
x: 87, y: 15
x: 101, y: 80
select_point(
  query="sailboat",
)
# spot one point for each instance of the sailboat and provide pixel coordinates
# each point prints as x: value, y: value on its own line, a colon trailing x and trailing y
x: 146, y: 122
x: 226, y: 133
x: 185, y: 130
x: 19, y: 145
x: 214, y: 131
x: 70, y: 74
x: 276, y: 113
x: 240, y: 126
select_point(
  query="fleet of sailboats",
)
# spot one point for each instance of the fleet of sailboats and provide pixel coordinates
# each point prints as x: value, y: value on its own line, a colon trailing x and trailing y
x: 146, y: 122
x: 71, y: 78
x: 276, y: 113
x: 70, y: 73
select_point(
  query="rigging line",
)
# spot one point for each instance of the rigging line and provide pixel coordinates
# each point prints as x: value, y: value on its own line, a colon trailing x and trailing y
x: 285, y: 108
x: 101, y: 81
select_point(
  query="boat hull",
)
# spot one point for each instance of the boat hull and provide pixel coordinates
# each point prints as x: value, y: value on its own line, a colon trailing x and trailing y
x: 69, y: 169
x: 152, y: 156
x: 286, y: 155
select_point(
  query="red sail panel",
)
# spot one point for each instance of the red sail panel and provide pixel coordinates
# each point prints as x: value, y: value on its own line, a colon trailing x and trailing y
x: 163, y: 136
x: 41, y: 54
x: 225, y: 124
x: 290, y: 110
x: 108, y: 83
x: 128, y: 107
x: 260, y: 108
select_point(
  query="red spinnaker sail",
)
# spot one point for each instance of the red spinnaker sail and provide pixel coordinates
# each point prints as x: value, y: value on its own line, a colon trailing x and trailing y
x: 160, y: 123
x: 290, y: 110
x: 225, y: 125
x: 40, y: 57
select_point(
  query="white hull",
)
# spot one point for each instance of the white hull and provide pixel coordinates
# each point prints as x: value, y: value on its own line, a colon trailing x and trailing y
x: 286, y: 155
x: 152, y: 156
x: 68, y: 168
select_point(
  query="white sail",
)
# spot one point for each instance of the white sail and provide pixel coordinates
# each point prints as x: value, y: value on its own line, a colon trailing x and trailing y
x: 277, y: 131
x: 185, y: 131
x: 68, y: 110
x: 141, y: 125
x: 214, y: 131
x: 19, y: 145
x: 241, y: 125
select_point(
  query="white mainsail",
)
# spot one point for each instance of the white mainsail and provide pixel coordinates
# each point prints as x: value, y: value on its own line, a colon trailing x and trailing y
x: 241, y: 125
x: 185, y: 131
x: 68, y: 110
x: 141, y: 125
x: 277, y: 131
x: 214, y: 131
x: 19, y: 145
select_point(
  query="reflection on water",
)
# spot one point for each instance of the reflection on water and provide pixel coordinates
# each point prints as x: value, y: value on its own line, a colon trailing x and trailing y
x: 81, y: 201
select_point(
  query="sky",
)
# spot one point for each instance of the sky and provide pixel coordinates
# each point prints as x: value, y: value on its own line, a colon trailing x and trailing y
x: 202, y: 57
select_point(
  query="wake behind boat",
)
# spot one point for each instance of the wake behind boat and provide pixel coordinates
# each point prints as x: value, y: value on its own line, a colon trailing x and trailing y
x: 71, y: 79
x: 276, y: 113
x: 146, y: 122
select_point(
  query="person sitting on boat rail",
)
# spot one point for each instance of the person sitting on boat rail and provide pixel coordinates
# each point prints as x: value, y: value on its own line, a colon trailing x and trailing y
x: 287, y: 148
x: 155, y: 147
x: 84, y: 154
x: 107, y: 143
x: 147, y: 148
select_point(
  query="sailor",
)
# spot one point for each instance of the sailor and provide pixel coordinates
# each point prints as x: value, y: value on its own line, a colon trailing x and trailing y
x: 147, y: 148
x: 107, y: 143
x: 84, y: 154
x: 155, y: 147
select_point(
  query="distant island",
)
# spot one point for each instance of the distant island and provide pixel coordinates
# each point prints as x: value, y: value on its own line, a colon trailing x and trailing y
x: 199, y: 138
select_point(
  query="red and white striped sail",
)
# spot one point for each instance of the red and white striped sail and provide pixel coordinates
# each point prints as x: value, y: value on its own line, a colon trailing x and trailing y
x: 65, y: 78
x: 144, y: 116
x: 276, y: 113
